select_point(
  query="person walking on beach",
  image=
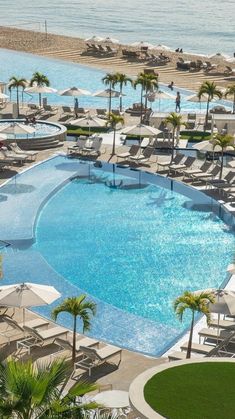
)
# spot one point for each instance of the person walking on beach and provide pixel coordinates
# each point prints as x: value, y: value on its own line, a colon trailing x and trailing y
x: 76, y: 107
x: 177, y: 102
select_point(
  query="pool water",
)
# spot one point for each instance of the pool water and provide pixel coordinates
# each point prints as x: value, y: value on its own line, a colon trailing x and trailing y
x: 64, y: 74
x: 136, y: 247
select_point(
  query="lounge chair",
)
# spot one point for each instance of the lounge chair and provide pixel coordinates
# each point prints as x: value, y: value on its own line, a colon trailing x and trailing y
x: 206, y: 175
x: 227, y: 180
x: 144, y: 156
x: 13, y: 327
x: 80, y: 112
x: 191, y: 121
x: 101, y: 113
x: 177, y: 168
x: 67, y: 346
x: 18, y: 150
x: 204, y: 168
x: 134, y: 149
x: 92, y: 147
x: 178, y: 158
x: 213, y: 334
x: 94, y: 357
x: 78, y: 147
x: 67, y: 111
x: 52, y: 109
x: 222, y: 324
x: 197, y: 348
x: 177, y: 356
x: 42, y: 338
x: 13, y: 157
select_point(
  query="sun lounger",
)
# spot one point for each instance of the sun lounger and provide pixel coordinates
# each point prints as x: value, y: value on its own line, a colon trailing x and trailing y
x: 213, y: 334
x: 177, y: 356
x: 228, y: 179
x: 101, y: 113
x: 94, y: 357
x: 92, y: 147
x: 42, y: 338
x: 204, y: 168
x: 13, y: 327
x: 134, y: 149
x: 197, y: 348
x: 223, y: 324
x: 20, y: 158
x: 180, y: 167
x: 31, y: 154
x: 144, y: 156
x: 66, y: 345
x: 67, y: 111
x: 78, y: 147
x: 207, y: 175
x: 178, y: 158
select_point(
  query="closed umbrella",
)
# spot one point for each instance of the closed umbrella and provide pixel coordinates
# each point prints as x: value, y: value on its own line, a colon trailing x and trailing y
x: 141, y: 129
x: 27, y: 295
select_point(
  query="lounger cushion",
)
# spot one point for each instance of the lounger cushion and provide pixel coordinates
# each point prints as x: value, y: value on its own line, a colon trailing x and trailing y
x: 52, y: 332
x: 107, y: 351
x: 197, y: 347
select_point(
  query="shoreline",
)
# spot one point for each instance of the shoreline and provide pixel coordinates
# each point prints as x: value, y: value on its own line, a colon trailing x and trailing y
x: 71, y: 49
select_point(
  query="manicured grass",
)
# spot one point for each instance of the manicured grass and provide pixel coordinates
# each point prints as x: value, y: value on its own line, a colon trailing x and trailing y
x: 195, y: 136
x: 72, y: 130
x: 194, y: 391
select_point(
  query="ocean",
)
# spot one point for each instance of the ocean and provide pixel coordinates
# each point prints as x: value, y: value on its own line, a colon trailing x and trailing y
x: 196, y: 26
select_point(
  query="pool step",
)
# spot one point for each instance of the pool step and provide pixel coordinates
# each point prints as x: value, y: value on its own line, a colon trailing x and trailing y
x: 40, y: 144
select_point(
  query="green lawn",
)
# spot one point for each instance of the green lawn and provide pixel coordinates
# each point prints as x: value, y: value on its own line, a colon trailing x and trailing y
x: 195, y: 136
x: 194, y: 391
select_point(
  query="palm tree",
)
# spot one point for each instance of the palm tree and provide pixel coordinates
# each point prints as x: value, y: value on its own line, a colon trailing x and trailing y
x: 113, y: 121
x: 175, y: 120
x: 39, y: 80
x: 28, y: 391
x: 210, y: 89
x: 223, y: 141
x: 109, y: 80
x: 231, y: 92
x: 122, y: 80
x: 147, y: 83
x: 195, y: 302
x: 77, y: 307
x: 16, y: 83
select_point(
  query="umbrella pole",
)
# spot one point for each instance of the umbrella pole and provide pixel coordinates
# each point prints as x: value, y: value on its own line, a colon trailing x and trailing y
x: 218, y: 328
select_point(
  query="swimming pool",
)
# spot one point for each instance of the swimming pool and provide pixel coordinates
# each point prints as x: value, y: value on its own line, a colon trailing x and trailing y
x: 67, y: 74
x: 42, y: 129
x: 133, y: 245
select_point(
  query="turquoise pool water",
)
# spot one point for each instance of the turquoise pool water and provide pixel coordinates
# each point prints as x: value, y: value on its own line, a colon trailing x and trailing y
x: 136, y: 247
x: 64, y: 74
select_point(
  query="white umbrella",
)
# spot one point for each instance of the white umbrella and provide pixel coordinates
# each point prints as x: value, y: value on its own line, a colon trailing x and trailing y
x: 74, y: 91
x: 109, y: 40
x: 141, y: 129
x: 94, y: 38
x: 209, y: 146
x: 142, y: 44
x: 16, y: 128
x: 27, y: 295
x: 3, y: 96
x: 196, y: 99
x: 152, y: 96
x: 40, y: 89
x: 90, y: 121
x: 107, y: 92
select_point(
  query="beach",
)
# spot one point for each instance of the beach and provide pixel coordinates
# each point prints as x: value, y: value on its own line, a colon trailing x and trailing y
x: 72, y: 49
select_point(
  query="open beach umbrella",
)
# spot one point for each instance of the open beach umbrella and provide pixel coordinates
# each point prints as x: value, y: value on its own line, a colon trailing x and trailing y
x: 40, y: 89
x: 90, y: 121
x: 16, y: 128
x: 107, y: 93
x: 152, y: 96
x: 27, y: 295
x: 195, y: 99
x: 209, y: 146
x: 109, y: 40
x: 3, y: 96
x: 141, y: 129
x: 142, y: 44
x: 74, y: 91
x: 94, y: 38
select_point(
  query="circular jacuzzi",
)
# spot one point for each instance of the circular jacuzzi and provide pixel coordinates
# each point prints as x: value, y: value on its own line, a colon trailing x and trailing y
x: 45, y: 134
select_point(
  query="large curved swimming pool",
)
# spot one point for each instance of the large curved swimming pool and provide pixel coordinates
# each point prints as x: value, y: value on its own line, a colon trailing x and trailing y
x: 131, y: 240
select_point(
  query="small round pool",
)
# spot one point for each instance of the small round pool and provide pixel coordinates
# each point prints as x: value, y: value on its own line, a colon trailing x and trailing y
x: 45, y: 134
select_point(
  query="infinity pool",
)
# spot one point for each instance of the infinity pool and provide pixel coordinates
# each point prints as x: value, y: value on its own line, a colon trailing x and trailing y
x: 135, y: 246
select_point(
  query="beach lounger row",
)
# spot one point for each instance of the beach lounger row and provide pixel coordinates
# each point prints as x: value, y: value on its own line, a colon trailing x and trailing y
x: 84, y: 146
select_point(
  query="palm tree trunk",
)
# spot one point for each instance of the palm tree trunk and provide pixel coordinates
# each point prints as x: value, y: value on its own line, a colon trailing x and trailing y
x: 114, y: 138
x: 120, y: 106
x: 110, y: 97
x: 173, y: 144
x: 234, y: 103
x: 40, y: 100
x: 74, y: 339
x: 146, y: 99
x: 188, y: 355
x: 222, y: 163
x: 17, y: 102
x: 141, y: 104
x: 207, y: 113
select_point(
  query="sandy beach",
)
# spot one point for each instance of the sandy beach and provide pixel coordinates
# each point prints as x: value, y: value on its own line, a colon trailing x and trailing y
x: 72, y: 49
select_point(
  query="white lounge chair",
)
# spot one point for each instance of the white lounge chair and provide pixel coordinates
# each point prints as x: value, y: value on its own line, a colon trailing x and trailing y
x: 40, y: 338
x: 66, y: 345
x: 14, y: 328
x: 18, y: 150
x: 94, y: 357
x: 134, y: 149
x: 198, y: 348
